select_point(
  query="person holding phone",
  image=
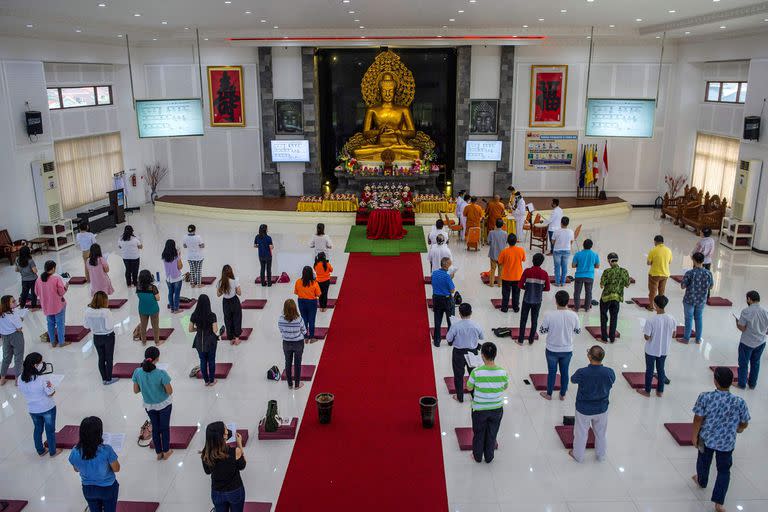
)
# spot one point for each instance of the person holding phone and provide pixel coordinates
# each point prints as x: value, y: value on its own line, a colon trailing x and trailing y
x: 224, y: 463
x: 38, y: 391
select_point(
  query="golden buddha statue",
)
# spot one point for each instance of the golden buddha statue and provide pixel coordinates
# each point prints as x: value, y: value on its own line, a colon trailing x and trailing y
x: 388, y: 89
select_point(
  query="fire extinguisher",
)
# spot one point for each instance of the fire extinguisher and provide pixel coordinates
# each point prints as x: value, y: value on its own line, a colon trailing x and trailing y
x: 133, y: 180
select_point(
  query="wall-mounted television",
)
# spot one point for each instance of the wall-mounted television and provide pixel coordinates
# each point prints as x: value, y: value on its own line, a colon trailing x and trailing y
x: 483, y: 150
x: 620, y: 117
x: 169, y: 118
x: 290, y: 150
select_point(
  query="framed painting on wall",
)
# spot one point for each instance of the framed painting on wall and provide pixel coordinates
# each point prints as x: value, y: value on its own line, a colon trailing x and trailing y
x: 483, y: 117
x: 289, y: 118
x: 225, y: 94
x: 549, y: 85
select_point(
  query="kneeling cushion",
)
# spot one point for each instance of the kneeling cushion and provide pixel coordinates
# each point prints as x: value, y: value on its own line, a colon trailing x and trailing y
x: 680, y: 331
x: 451, y: 387
x: 539, y: 381
x: 137, y: 506
x: 68, y: 437
x: 186, y: 305
x: 206, y: 280
x: 124, y: 370
x: 678, y: 278
x: 565, y: 433
x: 13, y: 505
x: 331, y: 303
x: 594, y: 330
x: 427, y: 279
x: 307, y: 372
x: 719, y: 301
x: 77, y: 280
x: 321, y: 333
x: 515, y: 333
x: 180, y: 437
x: 164, y: 334
x: 443, y: 332
x: 429, y: 303
x: 464, y: 436
x: 244, y: 334
x: 116, y: 303
x: 75, y: 333
x: 681, y: 432
x: 643, y: 302
x: 568, y: 279
x: 221, y: 371
x: 257, y: 506
x: 253, y: 304
x: 637, y: 380
x: 283, y: 431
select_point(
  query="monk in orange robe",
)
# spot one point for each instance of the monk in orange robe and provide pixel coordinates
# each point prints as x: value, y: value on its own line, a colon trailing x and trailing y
x: 474, y: 213
x: 495, y: 210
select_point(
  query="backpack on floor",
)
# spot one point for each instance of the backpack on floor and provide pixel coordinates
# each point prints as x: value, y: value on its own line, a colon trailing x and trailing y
x: 145, y: 434
x: 194, y: 371
x: 272, y: 419
x: 273, y: 373
x: 44, y: 338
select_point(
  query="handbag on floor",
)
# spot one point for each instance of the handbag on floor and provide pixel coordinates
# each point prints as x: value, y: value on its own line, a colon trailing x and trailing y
x: 145, y: 434
x: 194, y: 371
x: 502, y: 332
x: 273, y: 373
x: 457, y: 299
x: 272, y: 419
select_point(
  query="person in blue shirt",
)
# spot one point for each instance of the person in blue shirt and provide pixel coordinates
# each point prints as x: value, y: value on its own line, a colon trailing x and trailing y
x: 718, y: 417
x: 264, y: 243
x: 585, y: 262
x: 442, y: 297
x: 696, y: 282
x: 595, y: 382
x: 97, y: 464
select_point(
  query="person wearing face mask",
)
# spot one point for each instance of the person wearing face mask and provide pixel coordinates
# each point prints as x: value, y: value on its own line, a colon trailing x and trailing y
x: 38, y: 390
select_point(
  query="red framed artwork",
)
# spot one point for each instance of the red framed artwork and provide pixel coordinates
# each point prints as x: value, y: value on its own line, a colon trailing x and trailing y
x: 549, y: 85
x: 225, y: 95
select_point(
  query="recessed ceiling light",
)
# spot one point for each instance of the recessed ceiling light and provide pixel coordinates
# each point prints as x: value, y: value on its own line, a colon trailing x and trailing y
x: 154, y: 39
x: 715, y: 0
x: 205, y: 39
x: 78, y: 30
x: 29, y: 25
x: 589, y: 37
x: 119, y: 35
x: 638, y: 20
x: 590, y: 1
x: 766, y: 19
x: 451, y: 19
x: 445, y: 26
x: 658, y: 37
x: 345, y: 1
x: 164, y: 22
x: 525, y: 26
x: 357, y: 21
x: 687, y: 33
x: 473, y: 1
x: 563, y: 11
x: 227, y: 2
x: 247, y: 12
x: 460, y: 11
x: 541, y: 19
x: 351, y: 12
x: 722, y: 27
x: 275, y: 26
x: 362, y: 26
x: 186, y: 28
x: 612, y: 26
x: 263, y: 21
x: 137, y: 14
x: 102, y: 4
x: 671, y: 11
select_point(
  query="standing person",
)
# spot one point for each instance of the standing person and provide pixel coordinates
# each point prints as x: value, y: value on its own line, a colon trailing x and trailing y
x: 562, y: 241
x: 494, y: 211
x: 194, y: 246
x: 130, y: 246
x: 294, y: 333
x: 554, y: 221
x: 229, y: 287
x: 464, y: 204
x: 442, y: 298
x: 559, y: 326
x: 98, y: 270
x: 473, y: 212
x: 84, y: 240
x: 465, y: 336
x: 149, y: 308
x: 437, y: 229
x: 512, y: 193
x: 26, y: 267
x: 437, y: 252
x: 520, y: 213
x: 203, y: 324
x: 706, y: 246
x: 224, y: 463
x: 613, y: 281
x: 497, y: 240
x: 460, y: 204
x: 321, y: 242
x: 658, y: 333
x: 535, y: 281
x: 658, y: 260
x: 172, y: 265
x: 308, y: 291
x: 717, y: 417
x: 97, y: 464
x: 753, y: 324
x: 697, y: 283
x: 264, y: 243
x: 511, y: 262
x: 50, y: 289
x: 585, y: 262
x: 595, y: 382
x: 38, y: 390
x: 155, y: 387
x: 99, y: 320
x: 487, y: 382
x: 323, y: 271
x: 13, y: 338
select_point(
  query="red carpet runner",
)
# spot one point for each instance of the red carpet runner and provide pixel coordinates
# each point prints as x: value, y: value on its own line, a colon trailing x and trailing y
x: 374, y: 456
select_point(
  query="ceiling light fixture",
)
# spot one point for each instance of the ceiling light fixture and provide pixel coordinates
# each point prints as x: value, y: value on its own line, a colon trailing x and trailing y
x: 78, y: 30
x: 541, y: 19
x: 638, y: 20
x: 164, y: 22
x: 357, y: 21
x: 671, y: 11
x: 451, y: 19
x: 563, y: 11
x: 362, y: 26
x: 186, y: 28
x: 227, y: 2
x: 119, y: 35
x: 263, y: 21
x: 687, y: 33
x: 473, y: 1
x: 611, y: 26
x: 248, y: 12
x: 154, y: 39
x: 351, y: 12
x: 589, y: 37
x: 658, y: 37
x: 29, y: 25
x: 525, y: 26
x: 590, y: 1
x: 460, y: 11
x: 722, y: 27
x: 345, y: 1
x: 102, y: 4
x: 205, y: 39
x: 275, y: 26
x: 137, y: 14
x: 445, y: 26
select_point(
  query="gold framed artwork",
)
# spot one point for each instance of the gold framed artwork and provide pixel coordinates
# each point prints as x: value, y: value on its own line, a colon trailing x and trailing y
x: 225, y: 95
x: 549, y: 85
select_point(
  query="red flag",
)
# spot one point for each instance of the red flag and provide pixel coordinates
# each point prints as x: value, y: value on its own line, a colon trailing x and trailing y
x: 605, y: 158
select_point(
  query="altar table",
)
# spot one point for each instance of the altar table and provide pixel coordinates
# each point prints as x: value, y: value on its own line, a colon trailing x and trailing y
x: 336, y: 205
x: 309, y: 206
x: 385, y: 224
x: 434, y: 207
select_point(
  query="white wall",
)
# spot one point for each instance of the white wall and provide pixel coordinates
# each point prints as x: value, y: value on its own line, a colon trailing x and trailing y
x: 287, y: 85
x: 484, y: 84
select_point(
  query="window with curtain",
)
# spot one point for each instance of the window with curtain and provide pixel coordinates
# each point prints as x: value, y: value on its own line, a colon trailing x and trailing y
x: 715, y: 164
x: 86, y: 166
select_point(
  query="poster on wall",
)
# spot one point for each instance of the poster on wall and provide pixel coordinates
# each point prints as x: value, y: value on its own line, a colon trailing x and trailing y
x: 549, y: 85
x: 289, y: 117
x: 225, y: 94
x: 483, y: 117
x: 555, y: 150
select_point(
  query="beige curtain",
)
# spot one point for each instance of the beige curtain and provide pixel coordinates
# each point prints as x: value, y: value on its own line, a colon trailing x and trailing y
x: 86, y: 166
x: 715, y: 164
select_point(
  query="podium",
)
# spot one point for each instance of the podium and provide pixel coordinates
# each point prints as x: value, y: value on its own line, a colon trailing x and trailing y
x: 117, y: 202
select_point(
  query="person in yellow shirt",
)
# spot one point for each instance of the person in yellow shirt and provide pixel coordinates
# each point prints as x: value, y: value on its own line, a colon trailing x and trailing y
x: 659, y: 259
x: 511, y: 262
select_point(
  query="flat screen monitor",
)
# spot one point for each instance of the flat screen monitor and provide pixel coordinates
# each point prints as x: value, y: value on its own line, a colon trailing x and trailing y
x: 483, y: 150
x: 616, y: 117
x: 169, y: 118
x: 290, y: 150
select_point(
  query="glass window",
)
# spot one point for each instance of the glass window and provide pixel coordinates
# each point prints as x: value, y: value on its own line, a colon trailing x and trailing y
x: 713, y: 91
x: 743, y: 93
x: 53, y: 99
x: 78, y: 96
x: 104, y: 95
x: 729, y: 92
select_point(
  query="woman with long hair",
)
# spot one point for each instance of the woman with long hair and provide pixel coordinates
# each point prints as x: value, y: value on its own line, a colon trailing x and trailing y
x: 173, y: 278
x: 308, y: 291
x: 98, y: 269
x: 194, y: 246
x: 13, y: 338
x: 264, y: 243
x: 320, y: 241
x: 229, y: 287
x: 323, y: 271
x: 99, y: 320
x: 38, y: 390
x: 224, y: 463
x: 203, y: 324
x: 25, y: 266
x: 293, y: 333
x: 97, y: 464
x: 155, y: 387
x: 149, y: 309
x: 50, y: 289
x: 130, y: 245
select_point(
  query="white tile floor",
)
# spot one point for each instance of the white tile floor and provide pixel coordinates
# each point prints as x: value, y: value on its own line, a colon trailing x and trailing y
x: 645, y: 471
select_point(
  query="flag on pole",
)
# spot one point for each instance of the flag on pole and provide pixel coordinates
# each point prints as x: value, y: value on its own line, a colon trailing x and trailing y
x: 583, y: 167
x: 588, y: 173
x: 595, y: 164
x: 605, y: 159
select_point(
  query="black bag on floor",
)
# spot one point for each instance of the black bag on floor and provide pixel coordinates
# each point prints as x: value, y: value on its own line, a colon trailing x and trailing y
x: 502, y: 332
x: 271, y: 419
x: 273, y: 373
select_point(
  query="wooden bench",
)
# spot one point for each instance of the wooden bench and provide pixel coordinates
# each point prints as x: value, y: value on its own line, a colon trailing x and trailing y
x: 707, y: 215
x: 673, y: 206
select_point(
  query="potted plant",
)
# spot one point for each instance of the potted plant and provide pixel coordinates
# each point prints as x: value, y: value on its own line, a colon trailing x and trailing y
x: 154, y: 174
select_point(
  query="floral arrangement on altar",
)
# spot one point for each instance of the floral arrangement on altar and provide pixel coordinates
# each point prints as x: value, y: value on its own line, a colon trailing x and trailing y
x: 386, y: 197
x: 351, y: 165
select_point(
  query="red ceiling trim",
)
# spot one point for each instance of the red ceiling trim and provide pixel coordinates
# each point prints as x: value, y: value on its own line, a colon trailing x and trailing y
x: 390, y: 38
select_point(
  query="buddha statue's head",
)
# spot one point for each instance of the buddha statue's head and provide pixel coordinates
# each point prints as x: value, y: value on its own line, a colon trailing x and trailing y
x: 387, y: 87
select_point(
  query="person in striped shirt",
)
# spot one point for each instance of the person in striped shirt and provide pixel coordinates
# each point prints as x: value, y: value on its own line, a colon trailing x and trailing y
x: 487, y: 382
x: 293, y: 332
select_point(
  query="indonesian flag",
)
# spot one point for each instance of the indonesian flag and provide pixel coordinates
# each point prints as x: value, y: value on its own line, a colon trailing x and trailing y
x: 595, y: 164
x: 605, y: 158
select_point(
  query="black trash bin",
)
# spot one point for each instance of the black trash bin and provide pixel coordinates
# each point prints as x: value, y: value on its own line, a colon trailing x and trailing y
x: 428, y: 405
x: 324, y: 403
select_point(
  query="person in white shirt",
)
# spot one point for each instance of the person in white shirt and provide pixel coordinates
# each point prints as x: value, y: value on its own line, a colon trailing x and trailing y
x: 658, y: 333
x: 706, y: 246
x: 194, y: 246
x: 229, y: 288
x: 467, y: 198
x: 84, y: 240
x: 38, y: 390
x: 559, y: 326
x: 438, y: 229
x: 99, y: 320
x: 437, y: 252
x: 519, y: 213
x: 562, y: 240
x: 321, y: 242
x: 554, y: 219
x: 13, y: 338
x: 460, y: 204
x: 130, y: 245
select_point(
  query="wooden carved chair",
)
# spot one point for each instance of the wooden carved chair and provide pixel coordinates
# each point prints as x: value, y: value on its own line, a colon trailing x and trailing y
x: 707, y: 215
x: 673, y: 206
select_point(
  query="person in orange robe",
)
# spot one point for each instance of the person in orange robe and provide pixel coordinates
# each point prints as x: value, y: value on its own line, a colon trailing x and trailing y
x: 494, y: 210
x: 474, y: 213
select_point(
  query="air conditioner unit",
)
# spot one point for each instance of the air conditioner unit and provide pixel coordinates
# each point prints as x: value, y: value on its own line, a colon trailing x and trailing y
x: 47, y: 191
x: 745, y: 189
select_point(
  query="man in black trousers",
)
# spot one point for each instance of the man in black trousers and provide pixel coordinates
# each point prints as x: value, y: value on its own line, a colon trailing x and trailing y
x: 465, y: 336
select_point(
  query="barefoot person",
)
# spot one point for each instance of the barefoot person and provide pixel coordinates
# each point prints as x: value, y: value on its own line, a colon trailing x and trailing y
x: 595, y: 382
x: 559, y: 326
x: 658, y: 333
x: 155, y: 387
x: 294, y: 335
x: 488, y: 383
x: 465, y: 336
